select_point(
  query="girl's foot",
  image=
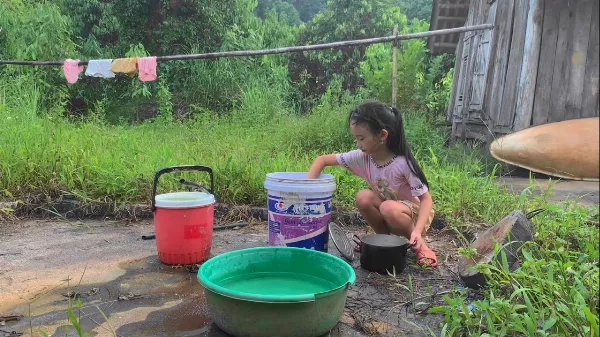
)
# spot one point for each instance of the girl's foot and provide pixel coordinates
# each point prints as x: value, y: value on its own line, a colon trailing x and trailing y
x: 426, y: 257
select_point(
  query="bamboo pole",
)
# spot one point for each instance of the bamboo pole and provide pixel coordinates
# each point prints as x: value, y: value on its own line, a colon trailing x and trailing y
x: 395, y: 68
x: 281, y: 50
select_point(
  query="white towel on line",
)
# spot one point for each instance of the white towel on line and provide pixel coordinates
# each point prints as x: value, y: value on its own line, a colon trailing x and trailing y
x: 99, y: 68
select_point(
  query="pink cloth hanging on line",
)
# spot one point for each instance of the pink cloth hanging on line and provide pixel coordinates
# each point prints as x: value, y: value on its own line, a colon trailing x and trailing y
x: 147, y: 68
x: 72, y: 69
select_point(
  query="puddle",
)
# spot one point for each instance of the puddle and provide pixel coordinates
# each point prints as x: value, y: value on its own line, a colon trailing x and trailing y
x: 149, y: 299
x: 171, y: 302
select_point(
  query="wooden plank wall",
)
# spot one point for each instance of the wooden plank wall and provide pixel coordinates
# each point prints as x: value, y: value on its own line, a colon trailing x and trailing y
x: 541, y: 103
x: 529, y: 66
x: 506, y: 114
x: 499, y: 61
x: 469, y: 48
x: 472, y: 68
x: 590, y: 84
x: 455, y: 77
x: 567, y: 79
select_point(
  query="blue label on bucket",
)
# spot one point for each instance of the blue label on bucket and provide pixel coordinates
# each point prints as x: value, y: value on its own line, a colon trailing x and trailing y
x: 309, y: 207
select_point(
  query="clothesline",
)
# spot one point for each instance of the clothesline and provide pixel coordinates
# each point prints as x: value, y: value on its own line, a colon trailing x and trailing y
x: 279, y: 50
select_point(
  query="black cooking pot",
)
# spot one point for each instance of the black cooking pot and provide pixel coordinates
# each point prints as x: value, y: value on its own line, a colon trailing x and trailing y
x: 383, y: 253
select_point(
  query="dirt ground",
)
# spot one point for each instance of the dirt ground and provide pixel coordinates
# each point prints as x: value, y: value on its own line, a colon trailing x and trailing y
x: 114, y: 271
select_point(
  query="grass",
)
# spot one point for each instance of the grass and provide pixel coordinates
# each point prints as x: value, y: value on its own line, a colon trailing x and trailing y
x: 45, y: 156
x: 554, y: 292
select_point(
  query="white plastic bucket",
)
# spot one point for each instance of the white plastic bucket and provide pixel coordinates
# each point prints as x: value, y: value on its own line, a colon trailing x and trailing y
x: 299, y: 209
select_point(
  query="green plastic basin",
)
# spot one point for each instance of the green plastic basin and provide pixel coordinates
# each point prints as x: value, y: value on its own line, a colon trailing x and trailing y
x: 276, y: 291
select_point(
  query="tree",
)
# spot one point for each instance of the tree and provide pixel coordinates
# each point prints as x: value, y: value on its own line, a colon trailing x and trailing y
x: 416, y: 9
x: 308, y: 8
x: 340, y: 20
x: 163, y: 27
x: 285, y: 11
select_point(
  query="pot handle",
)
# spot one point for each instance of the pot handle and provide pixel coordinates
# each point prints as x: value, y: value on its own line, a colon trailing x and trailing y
x: 187, y: 183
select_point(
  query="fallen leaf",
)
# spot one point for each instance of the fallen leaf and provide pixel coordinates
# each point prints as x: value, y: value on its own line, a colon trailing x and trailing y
x: 93, y: 291
x: 381, y: 328
x: 347, y: 319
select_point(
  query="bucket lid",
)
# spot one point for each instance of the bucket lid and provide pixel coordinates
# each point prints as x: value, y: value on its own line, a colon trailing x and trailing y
x: 184, y: 200
x: 296, y: 182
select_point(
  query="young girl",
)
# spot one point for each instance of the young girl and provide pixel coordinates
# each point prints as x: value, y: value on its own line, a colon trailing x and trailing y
x: 399, y: 202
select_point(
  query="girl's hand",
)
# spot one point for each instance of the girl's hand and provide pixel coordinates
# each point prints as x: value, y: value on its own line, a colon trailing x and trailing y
x: 416, y: 239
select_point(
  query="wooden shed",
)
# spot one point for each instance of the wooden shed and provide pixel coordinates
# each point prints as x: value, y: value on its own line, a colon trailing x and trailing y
x: 538, y: 65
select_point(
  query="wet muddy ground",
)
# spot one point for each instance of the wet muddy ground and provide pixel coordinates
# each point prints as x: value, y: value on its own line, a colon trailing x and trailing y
x: 110, y: 269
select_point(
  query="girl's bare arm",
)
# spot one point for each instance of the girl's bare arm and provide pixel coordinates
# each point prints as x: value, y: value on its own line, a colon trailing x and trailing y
x: 320, y: 163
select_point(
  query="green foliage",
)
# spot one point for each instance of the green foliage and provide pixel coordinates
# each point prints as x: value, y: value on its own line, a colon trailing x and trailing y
x: 109, y: 29
x: 340, y: 20
x: 93, y: 19
x: 423, y: 83
x: 36, y: 31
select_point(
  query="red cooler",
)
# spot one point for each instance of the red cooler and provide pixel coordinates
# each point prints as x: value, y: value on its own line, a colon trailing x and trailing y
x: 183, y: 221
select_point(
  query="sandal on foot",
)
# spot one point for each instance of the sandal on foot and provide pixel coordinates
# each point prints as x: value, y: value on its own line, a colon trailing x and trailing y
x: 425, y: 254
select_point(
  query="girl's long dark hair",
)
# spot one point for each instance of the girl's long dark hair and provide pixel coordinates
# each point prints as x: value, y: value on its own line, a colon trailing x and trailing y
x: 378, y: 116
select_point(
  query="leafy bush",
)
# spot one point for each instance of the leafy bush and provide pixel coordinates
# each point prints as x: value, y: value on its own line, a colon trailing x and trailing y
x: 423, y: 84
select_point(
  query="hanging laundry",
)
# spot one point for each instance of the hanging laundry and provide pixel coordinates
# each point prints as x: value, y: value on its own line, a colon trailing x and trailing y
x: 126, y: 65
x: 72, y: 69
x: 147, y: 68
x: 99, y: 68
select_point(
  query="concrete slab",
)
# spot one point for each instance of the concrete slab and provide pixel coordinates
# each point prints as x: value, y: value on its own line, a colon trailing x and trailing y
x: 587, y: 193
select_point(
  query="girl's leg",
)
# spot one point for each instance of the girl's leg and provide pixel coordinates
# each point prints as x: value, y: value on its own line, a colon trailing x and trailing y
x: 368, y: 204
x: 398, y: 216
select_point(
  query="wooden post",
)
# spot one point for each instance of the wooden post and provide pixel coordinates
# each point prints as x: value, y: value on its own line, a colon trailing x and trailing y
x: 529, y: 68
x: 395, y: 69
